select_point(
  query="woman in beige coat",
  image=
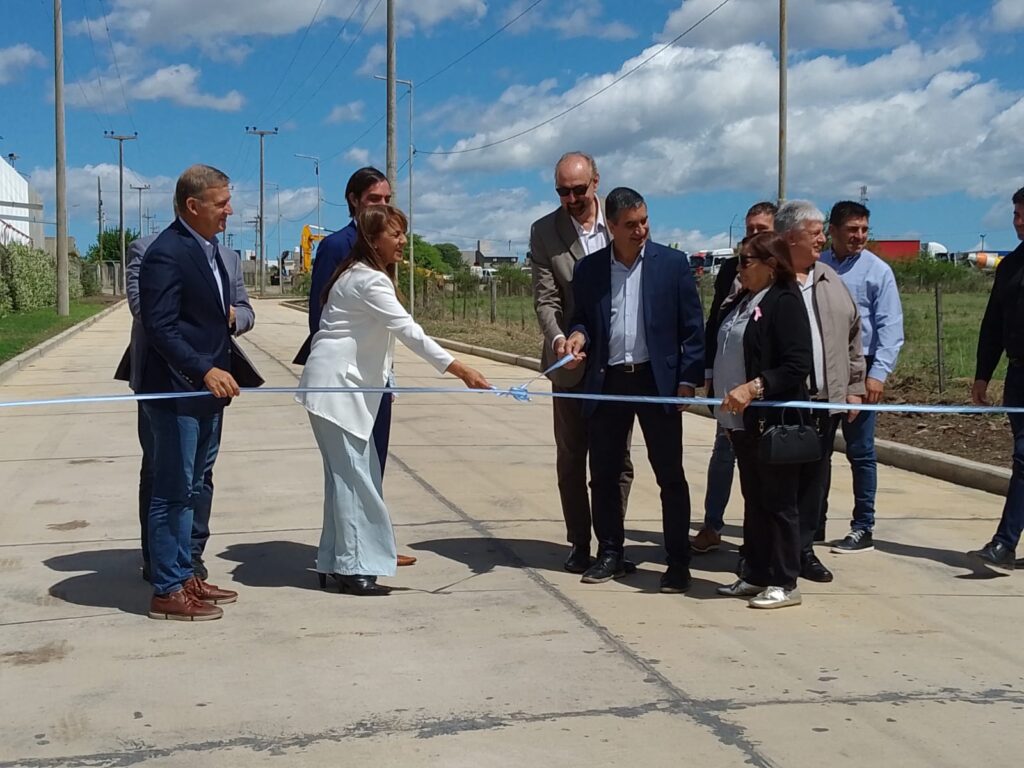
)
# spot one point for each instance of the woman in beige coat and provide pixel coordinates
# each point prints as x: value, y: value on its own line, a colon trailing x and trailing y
x: 354, y: 347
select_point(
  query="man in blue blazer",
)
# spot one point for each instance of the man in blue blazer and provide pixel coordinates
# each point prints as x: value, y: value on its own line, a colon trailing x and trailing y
x: 185, y: 308
x: 241, y: 319
x: 638, y: 319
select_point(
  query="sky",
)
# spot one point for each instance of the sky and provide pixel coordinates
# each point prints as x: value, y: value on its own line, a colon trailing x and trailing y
x: 919, y: 101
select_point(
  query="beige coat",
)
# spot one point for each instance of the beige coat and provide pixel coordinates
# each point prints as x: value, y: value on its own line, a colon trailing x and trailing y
x: 839, y: 324
x: 554, y: 250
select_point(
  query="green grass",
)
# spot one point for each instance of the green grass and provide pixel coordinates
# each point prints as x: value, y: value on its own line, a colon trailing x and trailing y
x: 23, y: 330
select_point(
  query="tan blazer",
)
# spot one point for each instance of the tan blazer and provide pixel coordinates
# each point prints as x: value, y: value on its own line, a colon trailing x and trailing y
x: 354, y: 348
x: 554, y: 250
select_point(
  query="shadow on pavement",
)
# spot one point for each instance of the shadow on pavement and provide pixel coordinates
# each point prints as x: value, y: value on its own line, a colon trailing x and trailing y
x: 978, y: 570
x: 483, y: 555
x: 114, y: 580
x: 273, y: 564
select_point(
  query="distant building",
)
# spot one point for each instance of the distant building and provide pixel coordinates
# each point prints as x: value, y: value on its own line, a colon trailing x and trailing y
x: 51, y: 247
x: 14, y: 188
x: 485, y: 258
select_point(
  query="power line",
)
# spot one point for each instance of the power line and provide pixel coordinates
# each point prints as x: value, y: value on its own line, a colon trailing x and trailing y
x: 323, y: 56
x: 338, y: 64
x: 479, y: 45
x: 295, y: 55
x: 117, y: 67
x: 592, y: 96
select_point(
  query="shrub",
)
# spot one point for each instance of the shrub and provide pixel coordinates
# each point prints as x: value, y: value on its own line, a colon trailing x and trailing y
x: 31, y: 277
x: 301, y: 283
x: 925, y: 273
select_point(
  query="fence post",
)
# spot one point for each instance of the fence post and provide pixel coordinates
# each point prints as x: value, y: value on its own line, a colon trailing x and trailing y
x: 939, y: 357
x: 494, y: 300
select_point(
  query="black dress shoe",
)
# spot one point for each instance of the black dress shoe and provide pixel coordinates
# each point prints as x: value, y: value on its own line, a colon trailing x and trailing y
x: 814, y: 570
x: 997, y: 554
x: 579, y: 559
x: 675, y: 580
x: 607, y: 567
x: 364, y: 586
x: 199, y: 569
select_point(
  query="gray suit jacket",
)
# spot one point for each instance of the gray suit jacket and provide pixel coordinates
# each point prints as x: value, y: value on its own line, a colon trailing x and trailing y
x: 134, y: 360
x: 554, y: 250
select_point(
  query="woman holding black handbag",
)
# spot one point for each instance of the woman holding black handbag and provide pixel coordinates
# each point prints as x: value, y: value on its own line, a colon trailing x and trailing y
x: 764, y: 353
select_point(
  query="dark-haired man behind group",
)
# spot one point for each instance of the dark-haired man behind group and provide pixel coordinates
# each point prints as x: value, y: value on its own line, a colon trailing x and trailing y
x: 760, y: 218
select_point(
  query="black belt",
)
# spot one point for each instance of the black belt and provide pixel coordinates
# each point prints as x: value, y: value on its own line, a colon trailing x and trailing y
x: 630, y: 367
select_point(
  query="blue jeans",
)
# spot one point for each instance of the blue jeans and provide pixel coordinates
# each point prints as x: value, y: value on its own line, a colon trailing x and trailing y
x: 1012, y: 521
x: 860, y: 451
x: 201, y: 514
x: 720, y: 472
x: 184, y: 449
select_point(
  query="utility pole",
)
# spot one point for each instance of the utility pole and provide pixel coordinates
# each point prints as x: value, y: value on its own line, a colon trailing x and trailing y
x: 140, y: 189
x: 731, y: 223
x: 392, y: 165
x: 863, y: 194
x: 783, y: 117
x: 412, y: 151
x: 316, y: 171
x: 63, y: 304
x: 149, y: 223
x: 121, y: 139
x: 280, y: 266
x: 99, y: 217
x: 254, y: 131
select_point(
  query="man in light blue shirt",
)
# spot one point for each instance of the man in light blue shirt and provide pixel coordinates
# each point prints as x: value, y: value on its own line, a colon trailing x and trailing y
x: 873, y: 286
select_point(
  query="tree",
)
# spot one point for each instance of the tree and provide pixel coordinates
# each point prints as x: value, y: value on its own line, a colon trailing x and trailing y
x: 451, y: 254
x: 427, y: 256
x: 111, y: 245
x: 513, y: 277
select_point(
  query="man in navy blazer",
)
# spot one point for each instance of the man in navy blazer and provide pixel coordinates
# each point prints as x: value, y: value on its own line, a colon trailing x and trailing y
x: 241, y: 319
x: 185, y: 308
x: 638, y: 319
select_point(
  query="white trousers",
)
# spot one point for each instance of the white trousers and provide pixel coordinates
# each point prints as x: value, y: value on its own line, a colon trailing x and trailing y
x: 357, y: 538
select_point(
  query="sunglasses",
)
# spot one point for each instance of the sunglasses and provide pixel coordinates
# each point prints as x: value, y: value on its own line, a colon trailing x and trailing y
x: 579, y: 190
x: 746, y: 261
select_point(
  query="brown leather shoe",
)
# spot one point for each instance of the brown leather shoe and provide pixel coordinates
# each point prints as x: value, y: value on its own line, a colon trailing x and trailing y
x: 209, y: 593
x: 406, y: 560
x: 182, y: 606
x: 706, y: 540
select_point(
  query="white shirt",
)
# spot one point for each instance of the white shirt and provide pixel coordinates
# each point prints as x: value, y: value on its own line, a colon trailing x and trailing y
x: 596, y: 238
x: 807, y: 291
x: 209, y: 249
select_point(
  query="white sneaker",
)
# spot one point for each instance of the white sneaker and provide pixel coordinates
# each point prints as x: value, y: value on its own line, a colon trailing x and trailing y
x: 739, y: 589
x: 776, y: 597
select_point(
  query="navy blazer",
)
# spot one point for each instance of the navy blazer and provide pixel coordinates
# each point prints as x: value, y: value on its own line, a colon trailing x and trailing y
x: 331, y: 252
x: 673, y: 320
x: 184, y: 319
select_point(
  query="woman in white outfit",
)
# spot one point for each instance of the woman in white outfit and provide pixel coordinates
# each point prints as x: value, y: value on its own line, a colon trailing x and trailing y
x: 354, y: 347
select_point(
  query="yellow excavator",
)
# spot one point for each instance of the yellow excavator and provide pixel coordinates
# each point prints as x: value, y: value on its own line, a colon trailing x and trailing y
x: 306, y: 246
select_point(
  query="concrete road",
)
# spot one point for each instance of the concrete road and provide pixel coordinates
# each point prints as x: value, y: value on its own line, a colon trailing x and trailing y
x: 488, y: 654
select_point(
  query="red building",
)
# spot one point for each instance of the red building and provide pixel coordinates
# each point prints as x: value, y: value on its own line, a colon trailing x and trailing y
x: 896, y: 250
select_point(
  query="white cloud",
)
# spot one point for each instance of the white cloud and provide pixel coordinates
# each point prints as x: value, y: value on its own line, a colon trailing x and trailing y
x: 570, y: 18
x: 17, y: 58
x: 358, y: 156
x: 376, y: 59
x: 177, y: 83
x: 827, y: 24
x: 346, y: 113
x: 1008, y: 15
x: 908, y: 123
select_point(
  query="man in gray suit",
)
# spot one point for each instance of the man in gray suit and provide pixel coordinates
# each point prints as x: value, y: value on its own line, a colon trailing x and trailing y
x: 558, y: 241
x: 241, y: 318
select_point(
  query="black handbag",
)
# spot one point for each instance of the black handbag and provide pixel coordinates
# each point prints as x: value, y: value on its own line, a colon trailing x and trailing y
x: 789, y: 443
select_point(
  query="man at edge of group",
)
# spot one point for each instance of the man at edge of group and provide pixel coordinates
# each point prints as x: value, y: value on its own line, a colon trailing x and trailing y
x: 1002, y: 330
x: 558, y: 241
x: 366, y: 187
x: 638, y: 318
x: 185, y: 311
x: 241, y: 318
x: 760, y: 218
x: 873, y: 287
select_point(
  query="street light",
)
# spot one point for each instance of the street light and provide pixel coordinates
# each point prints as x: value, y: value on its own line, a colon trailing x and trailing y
x: 316, y: 171
x: 731, y: 223
x: 983, y: 242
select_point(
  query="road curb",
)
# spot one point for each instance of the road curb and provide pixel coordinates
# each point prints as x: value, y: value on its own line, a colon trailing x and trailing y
x: 18, y: 362
x: 941, y: 466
